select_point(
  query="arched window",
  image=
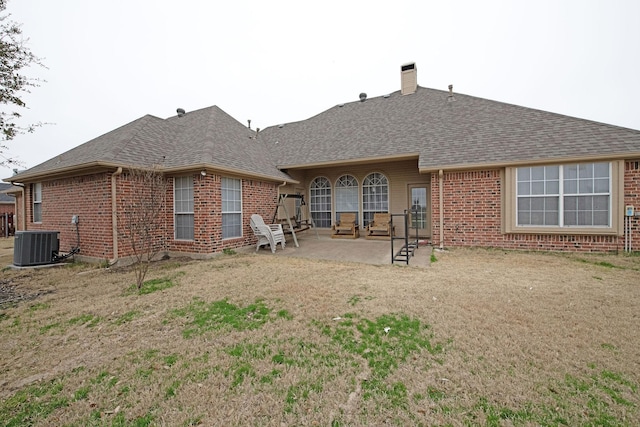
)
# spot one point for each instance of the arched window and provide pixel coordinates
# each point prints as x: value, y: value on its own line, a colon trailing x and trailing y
x: 320, y: 202
x: 347, y: 196
x: 375, y: 195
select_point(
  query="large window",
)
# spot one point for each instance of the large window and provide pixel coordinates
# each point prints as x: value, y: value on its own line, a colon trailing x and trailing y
x: 347, y: 196
x: 564, y: 196
x: 231, y: 208
x: 539, y: 195
x: 375, y: 195
x: 183, y: 207
x: 320, y: 202
x: 578, y: 197
x: 37, y: 202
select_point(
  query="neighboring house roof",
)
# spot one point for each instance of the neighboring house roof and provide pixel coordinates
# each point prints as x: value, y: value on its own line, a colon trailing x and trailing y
x: 206, y: 138
x: 4, y: 197
x: 444, y: 132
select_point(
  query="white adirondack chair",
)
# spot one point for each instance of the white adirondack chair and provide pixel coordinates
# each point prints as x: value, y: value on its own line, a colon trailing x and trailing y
x: 267, y: 234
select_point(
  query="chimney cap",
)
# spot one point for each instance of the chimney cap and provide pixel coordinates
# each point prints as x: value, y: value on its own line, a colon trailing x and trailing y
x: 408, y: 66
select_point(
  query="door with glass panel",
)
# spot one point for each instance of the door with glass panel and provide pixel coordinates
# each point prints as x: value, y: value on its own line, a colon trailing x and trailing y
x: 418, y: 205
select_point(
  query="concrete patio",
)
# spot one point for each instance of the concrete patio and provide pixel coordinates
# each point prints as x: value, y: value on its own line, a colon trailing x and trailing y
x: 359, y: 250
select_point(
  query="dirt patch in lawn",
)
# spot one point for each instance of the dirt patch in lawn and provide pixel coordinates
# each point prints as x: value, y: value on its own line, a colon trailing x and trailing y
x: 478, y: 337
x: 6, y: 251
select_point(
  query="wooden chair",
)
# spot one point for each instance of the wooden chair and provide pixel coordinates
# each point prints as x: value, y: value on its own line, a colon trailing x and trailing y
x: 267, y: 234
x: 380, y: 227
x: 346, y: 227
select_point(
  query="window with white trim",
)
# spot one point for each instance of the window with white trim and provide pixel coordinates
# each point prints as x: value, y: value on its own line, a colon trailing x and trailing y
x: 231, y: 208
x: 183, y: 207
x: 320, y: 202
x: 375, y: 196
x: 347, y: 196
x: 37, y: 201
x: 572, y: 198
x: 575, y: 195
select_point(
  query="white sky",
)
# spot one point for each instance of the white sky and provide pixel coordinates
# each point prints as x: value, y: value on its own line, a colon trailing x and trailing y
x: 111, y: 62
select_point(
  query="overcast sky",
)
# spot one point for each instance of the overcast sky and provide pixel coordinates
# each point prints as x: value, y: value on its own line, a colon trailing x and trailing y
x: 111, y: 62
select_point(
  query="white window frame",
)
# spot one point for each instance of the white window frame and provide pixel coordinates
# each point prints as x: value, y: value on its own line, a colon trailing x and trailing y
x: 37, y: 202
x: 376, y: 185
x: 511, y: 196
x: 183, y: 207
x: 320, y: 201
x: 347, y: 196
x: 231, y: 189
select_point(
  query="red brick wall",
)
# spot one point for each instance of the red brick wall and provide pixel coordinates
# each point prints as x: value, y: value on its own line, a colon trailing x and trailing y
x: 8, y: 208
x: 7, y: 211
x: 473, y: 213
x: 257, y: 197
x: 471, y: 208
x: 88, y: 196
x: 632, y: 197
x: 129, y: 192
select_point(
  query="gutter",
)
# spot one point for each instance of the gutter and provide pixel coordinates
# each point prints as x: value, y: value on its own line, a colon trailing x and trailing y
x: 114, y: 215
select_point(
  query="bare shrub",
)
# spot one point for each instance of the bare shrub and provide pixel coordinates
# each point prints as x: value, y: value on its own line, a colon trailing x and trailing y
x: 141, y: 220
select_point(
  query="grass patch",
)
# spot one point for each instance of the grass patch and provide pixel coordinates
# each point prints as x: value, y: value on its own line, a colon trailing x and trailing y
x: 36, y: 402
x: 39, y: 306
x: 88, y: 320
x: 203, y: 317
x: 384, y: 344
x: 155, y: 285
x: 126, y: 317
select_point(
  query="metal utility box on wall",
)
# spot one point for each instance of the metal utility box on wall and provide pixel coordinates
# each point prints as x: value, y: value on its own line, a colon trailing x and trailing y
x: 35, y: 247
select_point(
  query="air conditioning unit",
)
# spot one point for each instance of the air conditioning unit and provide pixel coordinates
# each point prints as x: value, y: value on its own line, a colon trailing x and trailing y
x: 35, y: 247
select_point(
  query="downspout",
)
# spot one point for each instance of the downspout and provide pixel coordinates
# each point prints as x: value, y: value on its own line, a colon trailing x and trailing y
x: 114, y: 215
x: 440, y: 179
x: 279, y: 187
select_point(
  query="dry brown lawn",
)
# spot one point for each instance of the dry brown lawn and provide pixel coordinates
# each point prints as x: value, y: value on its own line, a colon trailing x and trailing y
x: 480, y: 337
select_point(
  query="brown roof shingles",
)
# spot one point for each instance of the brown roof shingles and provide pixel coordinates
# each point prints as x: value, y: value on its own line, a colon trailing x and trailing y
x: 203, y: 138
x: 467, y: 131
x: 444, y: 134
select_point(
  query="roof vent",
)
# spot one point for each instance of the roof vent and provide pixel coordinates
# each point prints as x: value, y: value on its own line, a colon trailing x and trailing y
x: 181, y: 112
x: 363, y: 97
x: 451, y: 97
x: 408, y: 78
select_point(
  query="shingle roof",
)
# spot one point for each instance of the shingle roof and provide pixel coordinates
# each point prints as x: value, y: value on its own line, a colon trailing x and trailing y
x: 203, y: 138
x: 445, y: 134
x: 4, y: 197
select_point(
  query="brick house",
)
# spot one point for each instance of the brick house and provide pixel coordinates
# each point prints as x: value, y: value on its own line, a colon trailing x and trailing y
x: 479, y: 173
x: 7, y: 209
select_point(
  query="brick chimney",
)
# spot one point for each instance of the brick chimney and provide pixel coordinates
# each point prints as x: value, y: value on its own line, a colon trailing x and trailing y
x: 409, y: 78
